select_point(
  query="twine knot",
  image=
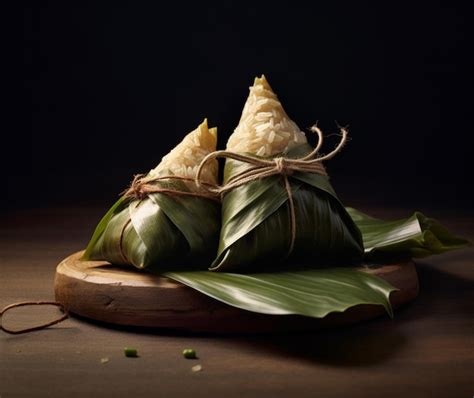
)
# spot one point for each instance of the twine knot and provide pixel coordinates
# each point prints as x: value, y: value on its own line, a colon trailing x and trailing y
x: 137, y: 187
x: 281, y: 166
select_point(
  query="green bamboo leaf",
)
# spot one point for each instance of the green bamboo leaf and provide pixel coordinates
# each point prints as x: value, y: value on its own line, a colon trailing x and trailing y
x: 416, y: 236
x: 110, y: 243
x: 248, y: 206
x: 160, y: 231
x: 191, y: 216
x: 317, y: 181
x: 314, y: 293
x: 256, y: 222
x: 152, y: 239
x: 95, y: 241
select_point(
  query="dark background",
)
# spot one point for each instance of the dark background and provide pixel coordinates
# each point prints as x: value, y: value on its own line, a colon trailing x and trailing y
x: 108, y: 90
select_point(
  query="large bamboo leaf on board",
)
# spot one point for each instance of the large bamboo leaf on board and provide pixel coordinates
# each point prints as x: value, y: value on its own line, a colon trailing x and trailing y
x: 314, y: 293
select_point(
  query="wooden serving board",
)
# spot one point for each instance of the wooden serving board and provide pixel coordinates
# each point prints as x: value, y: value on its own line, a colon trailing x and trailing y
x: 123, y: 296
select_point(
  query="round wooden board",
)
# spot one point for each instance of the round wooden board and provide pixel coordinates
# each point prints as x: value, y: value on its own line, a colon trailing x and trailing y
x: 117, y: 295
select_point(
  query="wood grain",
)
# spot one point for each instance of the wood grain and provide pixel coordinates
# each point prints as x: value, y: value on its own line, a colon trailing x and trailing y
x: 125, y: 296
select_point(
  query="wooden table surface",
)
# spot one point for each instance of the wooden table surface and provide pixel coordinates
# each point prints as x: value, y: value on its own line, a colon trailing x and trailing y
x: 426, y: 351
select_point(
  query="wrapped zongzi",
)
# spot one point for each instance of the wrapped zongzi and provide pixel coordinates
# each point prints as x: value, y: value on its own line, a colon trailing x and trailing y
x: 278, y: 205
x: 164, y: 220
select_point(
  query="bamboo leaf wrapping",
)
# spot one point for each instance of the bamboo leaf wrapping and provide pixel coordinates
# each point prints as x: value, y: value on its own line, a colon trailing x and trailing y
x: 160, y: 231
x: 255, y: 230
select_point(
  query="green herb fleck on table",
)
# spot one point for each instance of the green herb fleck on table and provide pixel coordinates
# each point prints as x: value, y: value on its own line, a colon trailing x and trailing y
x: 130, y: 352
x: 189, y: 353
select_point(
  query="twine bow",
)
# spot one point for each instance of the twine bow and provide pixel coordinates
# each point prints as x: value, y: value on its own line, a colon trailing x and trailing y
x: 263, y: 168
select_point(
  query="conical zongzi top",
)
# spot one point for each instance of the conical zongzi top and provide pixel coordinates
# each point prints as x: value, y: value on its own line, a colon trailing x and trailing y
x: 185, y: 158
x: 264, y: 128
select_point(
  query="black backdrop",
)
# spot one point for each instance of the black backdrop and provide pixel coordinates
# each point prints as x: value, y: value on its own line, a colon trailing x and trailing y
x: 108, y: 90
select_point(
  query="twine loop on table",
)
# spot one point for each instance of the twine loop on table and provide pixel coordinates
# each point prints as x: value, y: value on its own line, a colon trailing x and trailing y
x: 263, y: 168
x: 38, y: 327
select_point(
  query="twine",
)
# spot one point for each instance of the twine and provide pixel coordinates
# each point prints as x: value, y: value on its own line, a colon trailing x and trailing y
x: 41, y: 326
x: 263, y: 168
x: 143, y: 185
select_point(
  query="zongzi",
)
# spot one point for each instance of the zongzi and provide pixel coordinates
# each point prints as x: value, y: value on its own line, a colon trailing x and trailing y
x: 164, y: 220
x: 272, y: 214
